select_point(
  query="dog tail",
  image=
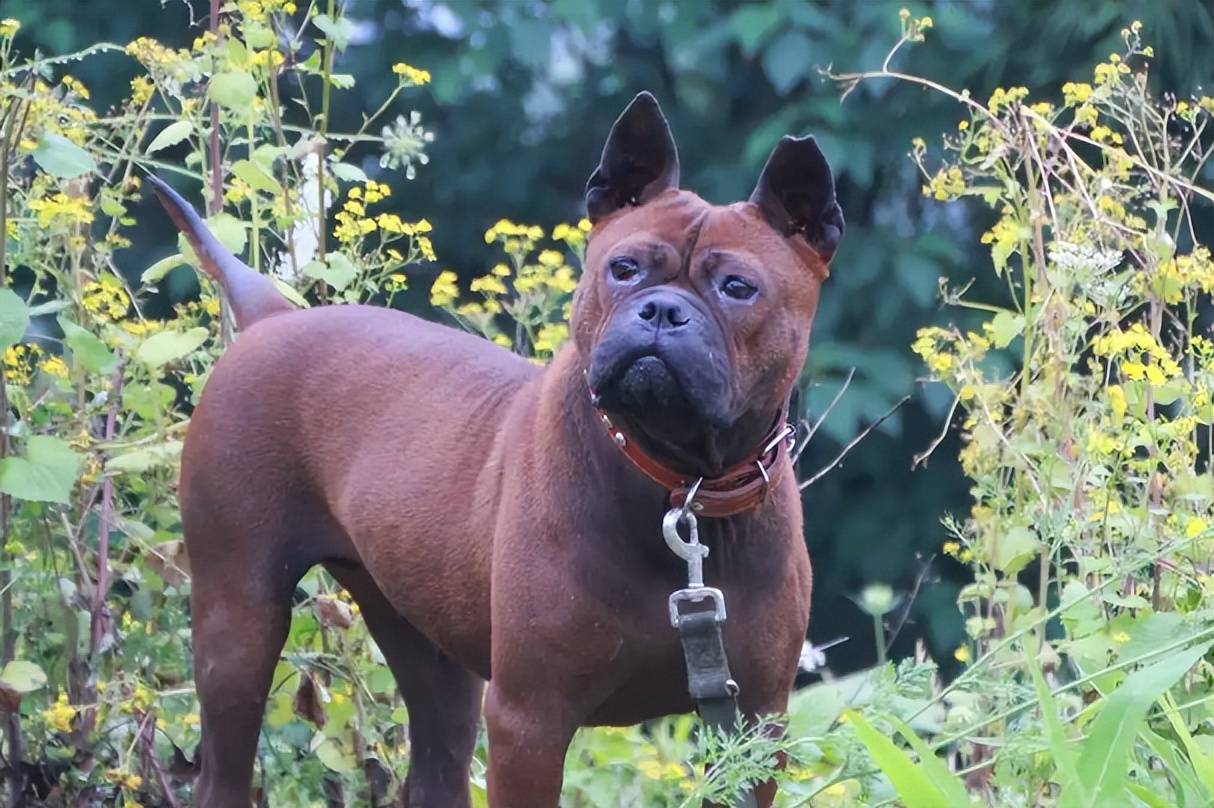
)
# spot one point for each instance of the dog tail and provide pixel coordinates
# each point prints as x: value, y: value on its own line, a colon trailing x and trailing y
x: 251, y: 295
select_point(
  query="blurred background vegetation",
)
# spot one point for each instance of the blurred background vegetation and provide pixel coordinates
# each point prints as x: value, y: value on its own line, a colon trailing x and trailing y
x: 524, y: 92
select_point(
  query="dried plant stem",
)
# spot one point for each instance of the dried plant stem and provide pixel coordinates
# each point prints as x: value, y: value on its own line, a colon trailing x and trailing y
x: 852, y: 444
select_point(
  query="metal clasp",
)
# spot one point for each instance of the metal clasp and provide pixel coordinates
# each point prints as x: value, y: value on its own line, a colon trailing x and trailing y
x: 692, y: 552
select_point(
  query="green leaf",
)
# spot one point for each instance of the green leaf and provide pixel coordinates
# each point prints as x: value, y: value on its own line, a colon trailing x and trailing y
x: 23, y: 676
x: 1005, y: 327
x: 14, y: 317
x: 752, y: 24
x: 162, y: 267
x: 233, y: 90
x: 342, y: 81
x: 140, y: 460
x: 256, y: 35
x: 46, y: 471
x: 914, y: 785
x: 60, y: 157
x: 1060, y: 746
x: 256, y: 176
x: 335, y: 756
x: 289, y: 292
x: 338, y: 31
x: 337, y: 271
x: 1102, y: 769
x: 1148, y: 796
x: 229, y: 230
x: 49, y: 307
x: 166, y: 346
x: 87, y: 348
x: 949, y: 784
x: 171, y: 135
x: 1203, y: 762
x: 347, y: 172
x: 1184, y: 773
x: 1014, y: 549
x: 787, y: 60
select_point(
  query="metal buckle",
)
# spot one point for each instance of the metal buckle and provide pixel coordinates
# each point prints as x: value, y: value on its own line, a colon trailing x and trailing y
x: 696, y: 594
x: 789, y: 432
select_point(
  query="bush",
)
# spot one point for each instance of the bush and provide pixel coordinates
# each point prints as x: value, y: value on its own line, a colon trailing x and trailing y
x: 1083, y: 397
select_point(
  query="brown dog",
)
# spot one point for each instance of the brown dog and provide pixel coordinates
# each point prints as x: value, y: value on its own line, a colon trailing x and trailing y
x: 475, y: 506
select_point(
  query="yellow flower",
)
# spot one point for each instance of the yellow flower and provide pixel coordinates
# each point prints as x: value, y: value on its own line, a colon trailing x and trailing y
x: 1120, y: 637
x: 962, y: 654
x: 426, y: 248
x: 410, y: 74
x: 61, y: 210
x: 19, y: 363
x: 951, y: 548
x: 9, y: 28
x: 76, y: 86
x: 1195, y: 528
x: 124, y: 779
x: 1074, y: 93
x: 54, y: 366
x: 1135, y: 371
x: 105, y: 298
x: 267, y: 58
x: 445, y: 290
x: 59, y: 716
x: 947, y: 184
x: 1002, y: 98
x: 550, y: 337
x: 1117, y: 400
x: 502, y: 340
x: 488, y: 284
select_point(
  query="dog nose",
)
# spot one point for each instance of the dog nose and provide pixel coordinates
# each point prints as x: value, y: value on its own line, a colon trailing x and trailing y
x: 664, y: 310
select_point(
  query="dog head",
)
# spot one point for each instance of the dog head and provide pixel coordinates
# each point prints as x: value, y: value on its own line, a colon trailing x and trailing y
x: 693, y: 319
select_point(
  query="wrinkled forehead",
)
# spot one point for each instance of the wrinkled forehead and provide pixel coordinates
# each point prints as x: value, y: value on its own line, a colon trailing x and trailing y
x: 680, y: 221
x: 670, y: 219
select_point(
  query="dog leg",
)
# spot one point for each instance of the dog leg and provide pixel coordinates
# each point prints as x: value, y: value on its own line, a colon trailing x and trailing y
x: 527, y: 745
x: 239, y: 631
x: 443, y: 699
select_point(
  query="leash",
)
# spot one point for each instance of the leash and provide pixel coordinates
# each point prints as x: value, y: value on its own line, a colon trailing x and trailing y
x: 709, y: 682
x: 738, y: 489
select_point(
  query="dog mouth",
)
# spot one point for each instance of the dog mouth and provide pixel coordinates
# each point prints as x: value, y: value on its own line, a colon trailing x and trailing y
x: 648, y: 384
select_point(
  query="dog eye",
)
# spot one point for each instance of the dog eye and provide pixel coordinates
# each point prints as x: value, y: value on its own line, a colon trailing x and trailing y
x: 623, y: 269
x: 738, y: 288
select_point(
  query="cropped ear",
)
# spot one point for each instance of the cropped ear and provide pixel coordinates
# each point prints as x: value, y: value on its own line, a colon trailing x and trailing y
x: 796, y: 193
x: 639, y: 160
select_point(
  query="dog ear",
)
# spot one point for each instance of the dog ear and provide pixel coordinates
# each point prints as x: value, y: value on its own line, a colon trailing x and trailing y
x: 796, y: 193
x: 639, y: 160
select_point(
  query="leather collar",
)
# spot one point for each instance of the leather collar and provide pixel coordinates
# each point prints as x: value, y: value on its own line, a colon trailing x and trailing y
x: 740, y: 488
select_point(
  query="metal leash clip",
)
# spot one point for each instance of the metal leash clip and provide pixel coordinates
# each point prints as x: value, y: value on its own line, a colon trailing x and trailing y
x: 693, y: 553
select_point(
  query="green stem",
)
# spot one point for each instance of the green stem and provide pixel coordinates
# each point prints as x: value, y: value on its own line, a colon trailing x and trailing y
x: 254, y: 211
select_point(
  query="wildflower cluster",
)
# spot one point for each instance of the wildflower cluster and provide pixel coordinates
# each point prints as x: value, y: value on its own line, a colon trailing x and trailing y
x: 1082, y: 389
x: 98, y: 392
x: 411, y: 75
x: 532, y: 288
